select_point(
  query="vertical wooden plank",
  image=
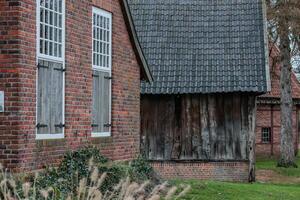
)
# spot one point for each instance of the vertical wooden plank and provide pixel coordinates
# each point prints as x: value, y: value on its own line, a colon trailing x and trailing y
x: 228, y: 105
x: 101, y: 104
x: 43, y: 98
x: 186, y: 123
x: 220, y: 144
x: 56, y: 98
x: 205, y: 127
x: 244, y: 128
x: 152, y: 127
x: 251, y: 146
x: 195, y: 127
x: 106, y: 101
x: 95, y: 105
x: 169, y: 124
x: 236, y: 110
x: 176, y: 149
x: 212, y: 112
x: 161, y: 120
x: 146, y: 115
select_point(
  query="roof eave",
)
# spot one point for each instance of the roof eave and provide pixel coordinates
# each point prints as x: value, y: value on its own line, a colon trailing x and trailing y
x: 136, y: 44
x: 266, y: 44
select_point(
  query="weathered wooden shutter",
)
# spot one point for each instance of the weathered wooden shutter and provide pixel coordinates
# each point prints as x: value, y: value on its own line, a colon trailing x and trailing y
x: 101, y: 102
x: 50, y: 98
x: 56, y: 120
x: 43, y: 100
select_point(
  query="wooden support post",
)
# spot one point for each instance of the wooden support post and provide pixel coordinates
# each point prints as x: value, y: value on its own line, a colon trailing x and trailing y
x: 251, y: 142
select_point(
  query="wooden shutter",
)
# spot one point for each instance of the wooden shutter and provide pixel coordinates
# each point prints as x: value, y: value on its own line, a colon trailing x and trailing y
x: 43, y: 100
x: 101, y: 102
x: 50, y: 98
x: 56, y: 120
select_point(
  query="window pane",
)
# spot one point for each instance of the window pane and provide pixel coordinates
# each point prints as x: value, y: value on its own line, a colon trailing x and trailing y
x: 60, y: 35
x: 41, y: 46
x: 60, y: 21
x: 55, y: 49
x: 60, y: 6
x: 60, y: 50
x: 50, y: 48
x: 41, y: 31
x: 55, y: 34
x: 46, y: 32
x: 51, y: 4
x: 42, y: 14
x: 50, y: 33
x: 46, y: 48
x: 55, y: 5
x: 46, y: 16
x: 55, y: 19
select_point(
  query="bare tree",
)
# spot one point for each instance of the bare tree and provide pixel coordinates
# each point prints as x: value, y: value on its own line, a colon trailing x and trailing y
x: 284, y: 19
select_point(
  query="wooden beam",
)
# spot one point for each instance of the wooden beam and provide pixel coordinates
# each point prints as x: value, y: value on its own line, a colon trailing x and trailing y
x: 251, y: 142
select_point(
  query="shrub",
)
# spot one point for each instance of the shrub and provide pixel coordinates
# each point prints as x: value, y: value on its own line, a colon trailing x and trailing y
x: 140, y: 170
x: 86, y: 174
x: 76, y: 166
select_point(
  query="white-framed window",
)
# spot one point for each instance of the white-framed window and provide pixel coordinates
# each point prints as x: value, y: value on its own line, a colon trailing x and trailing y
x: 266, y: 135
x: 50, y: 81
x: 102, y: 76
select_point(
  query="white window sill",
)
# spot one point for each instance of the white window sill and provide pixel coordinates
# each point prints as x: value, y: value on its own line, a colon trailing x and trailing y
x: 104, y: 134
x: 49, y: 136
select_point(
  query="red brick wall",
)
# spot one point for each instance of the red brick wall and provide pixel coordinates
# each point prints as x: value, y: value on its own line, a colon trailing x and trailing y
x: 10, y: 57
x: 264, y: 120
x: 222, y: 171
x: 18, y: 147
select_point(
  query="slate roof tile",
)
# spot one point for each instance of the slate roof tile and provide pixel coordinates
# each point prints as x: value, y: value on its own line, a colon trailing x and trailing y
x: 202, y: 46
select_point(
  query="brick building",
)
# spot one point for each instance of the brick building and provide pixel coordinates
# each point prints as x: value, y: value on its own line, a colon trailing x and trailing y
x: 70, y: 73
x: 268, y: 114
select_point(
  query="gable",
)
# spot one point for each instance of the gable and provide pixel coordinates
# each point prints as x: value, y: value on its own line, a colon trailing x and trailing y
x: 202, y: 46
x: 275, y: 80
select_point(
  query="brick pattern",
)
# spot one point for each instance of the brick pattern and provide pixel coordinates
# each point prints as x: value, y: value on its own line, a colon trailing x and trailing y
x: 10, y: 59
x: 264, y: 120
x: 18, y: 148
x: 221, y: 171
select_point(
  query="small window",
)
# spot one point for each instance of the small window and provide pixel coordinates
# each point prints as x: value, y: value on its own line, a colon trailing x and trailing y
x: 101, y: 105
x: 266, y: 135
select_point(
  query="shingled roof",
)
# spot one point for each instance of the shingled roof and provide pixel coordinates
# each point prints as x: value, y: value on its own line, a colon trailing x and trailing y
x: 203, y: 46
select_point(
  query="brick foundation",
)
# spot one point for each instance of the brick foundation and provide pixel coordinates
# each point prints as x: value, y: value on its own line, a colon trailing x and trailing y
x: 221, y: 171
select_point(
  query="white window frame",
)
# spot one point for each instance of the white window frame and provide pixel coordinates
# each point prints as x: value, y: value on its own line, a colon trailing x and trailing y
x: 51, y: 59
x: 267, y: 130
x: 106, y: 14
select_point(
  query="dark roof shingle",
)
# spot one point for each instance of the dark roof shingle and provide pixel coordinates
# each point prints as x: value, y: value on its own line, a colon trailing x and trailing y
x: 202, y: 46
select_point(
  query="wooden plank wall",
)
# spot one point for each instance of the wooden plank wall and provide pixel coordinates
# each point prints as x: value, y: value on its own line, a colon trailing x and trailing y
x: 195, y: 127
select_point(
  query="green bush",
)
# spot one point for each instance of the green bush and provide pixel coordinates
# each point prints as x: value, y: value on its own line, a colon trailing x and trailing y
x: 140, y: 170
x: 77, y: 165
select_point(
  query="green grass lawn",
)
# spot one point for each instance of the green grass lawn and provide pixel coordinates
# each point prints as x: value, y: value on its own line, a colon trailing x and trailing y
x: 213, y: 190
x: 209, y: 190
x: 270, y: 164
